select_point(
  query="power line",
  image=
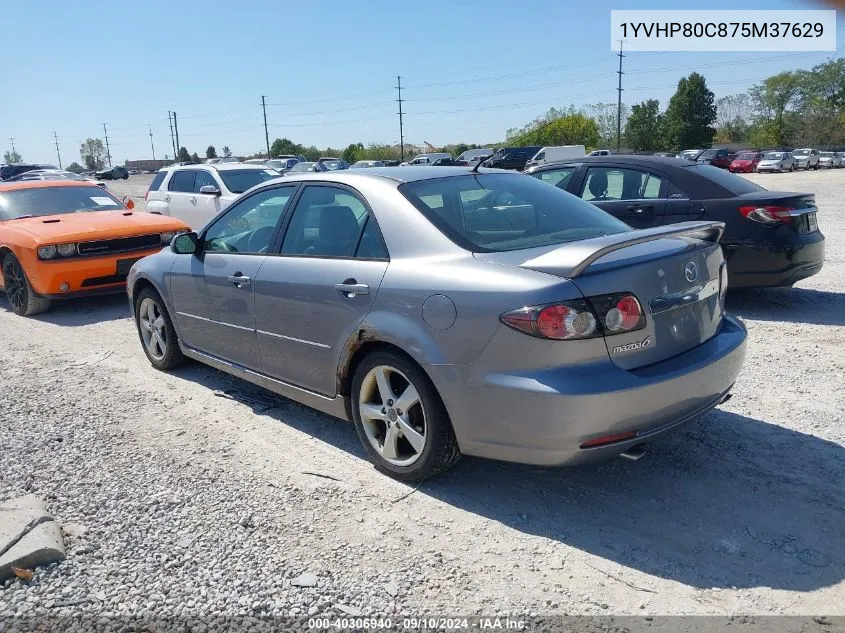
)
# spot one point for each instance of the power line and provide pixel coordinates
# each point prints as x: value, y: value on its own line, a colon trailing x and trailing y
x: 401, y: 127
x: 619, y: 101
x: 108, y: 151
x: 266, y: 133
x: 58, y: 154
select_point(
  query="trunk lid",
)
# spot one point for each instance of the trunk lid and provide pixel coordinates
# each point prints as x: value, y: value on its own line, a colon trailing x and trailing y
x: 675, y: 272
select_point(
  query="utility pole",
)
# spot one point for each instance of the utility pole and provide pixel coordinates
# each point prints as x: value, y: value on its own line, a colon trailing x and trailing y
x: 58, y: 154
x: 619, y: 101
x: 108, y: 151
x: 172, y: 140
x: 266, y: 135
x: 152, y: 146
x: 401, y: 129
x: 12, y: 141
x: 176, y: 130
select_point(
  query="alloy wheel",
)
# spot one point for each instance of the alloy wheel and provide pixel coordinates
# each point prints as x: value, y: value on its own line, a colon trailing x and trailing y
x: 152, y: 327
x: 16, y: 289
x: 392, y: 415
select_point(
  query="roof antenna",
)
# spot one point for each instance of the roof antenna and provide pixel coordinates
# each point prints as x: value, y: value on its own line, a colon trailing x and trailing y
x: 474, y: 169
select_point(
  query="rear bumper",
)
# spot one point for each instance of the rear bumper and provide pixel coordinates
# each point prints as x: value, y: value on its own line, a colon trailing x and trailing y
x: 760, y: 265
x: 544, y: 417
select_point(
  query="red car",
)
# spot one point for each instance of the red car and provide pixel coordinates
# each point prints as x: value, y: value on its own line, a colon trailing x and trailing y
x: 721, y: 158
x: 745, y: 162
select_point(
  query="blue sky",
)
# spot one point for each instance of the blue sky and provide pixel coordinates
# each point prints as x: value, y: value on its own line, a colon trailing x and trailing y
x: 471, y: 70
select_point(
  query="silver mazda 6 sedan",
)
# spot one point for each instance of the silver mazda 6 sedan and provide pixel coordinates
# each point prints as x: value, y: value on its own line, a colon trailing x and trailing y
x: 446, y: 312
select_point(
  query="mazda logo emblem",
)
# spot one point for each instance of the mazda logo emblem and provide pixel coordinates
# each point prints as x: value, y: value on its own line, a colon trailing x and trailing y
x: 691, y: 271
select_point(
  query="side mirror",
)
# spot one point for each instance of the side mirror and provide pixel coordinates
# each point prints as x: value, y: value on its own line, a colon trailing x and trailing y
x: 185, y: 243
x: 128, y: 202
x: 210, y: 189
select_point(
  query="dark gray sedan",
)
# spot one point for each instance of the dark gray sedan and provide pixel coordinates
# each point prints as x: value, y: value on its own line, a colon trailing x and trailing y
x: 446, y: 312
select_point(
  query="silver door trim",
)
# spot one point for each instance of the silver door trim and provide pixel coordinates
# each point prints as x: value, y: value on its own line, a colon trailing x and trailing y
x: 199, y: 318
x: 295, y: 340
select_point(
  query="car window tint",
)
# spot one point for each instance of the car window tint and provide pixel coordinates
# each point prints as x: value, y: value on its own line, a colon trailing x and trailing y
x: 557, y: 177
x: 204, y: 178
x: 327, y: 222
x: 182, y: 180
x: 156, y: 183
x: 613, y: 183
x: 249, y: 225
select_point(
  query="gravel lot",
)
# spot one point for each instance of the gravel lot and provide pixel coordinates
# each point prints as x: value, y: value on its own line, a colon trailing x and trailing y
x: 176, y: 500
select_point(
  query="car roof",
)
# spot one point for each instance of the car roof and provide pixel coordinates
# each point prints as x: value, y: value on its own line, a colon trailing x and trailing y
x: 659, y: 162
x: 398, y: 174
x: 38, y: 184
x: 217, y: 166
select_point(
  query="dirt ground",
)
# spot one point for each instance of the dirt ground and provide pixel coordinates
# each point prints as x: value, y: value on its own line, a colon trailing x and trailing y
x: 183, y: 498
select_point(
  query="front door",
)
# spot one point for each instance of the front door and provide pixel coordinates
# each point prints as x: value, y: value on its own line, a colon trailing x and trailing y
x: 634, y: 196
x: 180, y: 190
x: 213, y: 290
x: 311, y: 298
x: 206, y: 206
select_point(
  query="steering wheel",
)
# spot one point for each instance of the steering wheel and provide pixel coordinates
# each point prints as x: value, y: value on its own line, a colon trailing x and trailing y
x: 259, y: 241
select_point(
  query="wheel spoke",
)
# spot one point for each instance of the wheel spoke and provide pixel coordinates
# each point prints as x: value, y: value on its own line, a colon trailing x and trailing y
x: 416, y: 440
x: 383, y: 383
x: 408, y: 399
x: 159, y: 343
x: 151, y: 315
x: 389, y: 449
x: 158, y: 323
x: 372, y: 412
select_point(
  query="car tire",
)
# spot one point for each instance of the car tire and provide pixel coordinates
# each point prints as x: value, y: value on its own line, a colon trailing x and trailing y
x: 156, y: 332
x: 434, y: 448
x: 126, y: 176
x: 19, y: 292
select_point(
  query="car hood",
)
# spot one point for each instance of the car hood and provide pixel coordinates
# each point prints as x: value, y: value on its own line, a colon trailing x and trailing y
x: 744, y: 161
x: 797, y: 157
x: 70, y: 227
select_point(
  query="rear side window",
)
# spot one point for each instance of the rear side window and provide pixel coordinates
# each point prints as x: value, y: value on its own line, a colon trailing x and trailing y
x: 156, y: 183
x: 182, y: 180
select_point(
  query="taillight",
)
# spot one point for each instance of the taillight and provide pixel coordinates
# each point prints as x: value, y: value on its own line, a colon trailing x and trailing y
x: 579, y: 319
x: 770, y: 215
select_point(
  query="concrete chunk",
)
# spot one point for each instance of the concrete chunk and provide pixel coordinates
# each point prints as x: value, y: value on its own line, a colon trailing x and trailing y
x: 19, y: 516
x: 29, y: 537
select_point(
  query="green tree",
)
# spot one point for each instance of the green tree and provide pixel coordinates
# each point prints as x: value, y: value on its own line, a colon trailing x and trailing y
x: 210, y: 152
x: 93, y: 153
x: 772, y: 98
x: 355, y: 151
x: 195, y: 159
x: 74, y: 167
x: 605, y: 114
x: 12, y: 157
x: 690, y: 114
x: 644, y: 128
x: 226, y: 151
x: 184, y: 155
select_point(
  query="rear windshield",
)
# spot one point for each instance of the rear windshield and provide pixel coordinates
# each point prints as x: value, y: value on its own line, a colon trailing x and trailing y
x: 505, y: 212
x: 156, y: 183
x: 775, y: 155
x: 708, y: 153
x: 746, y: 156
x: 239, y: 180
x: 302, y: 167
x: 737, y: 185
x: 55, y: 200
x: 828, y: 154
x: 801, y: 152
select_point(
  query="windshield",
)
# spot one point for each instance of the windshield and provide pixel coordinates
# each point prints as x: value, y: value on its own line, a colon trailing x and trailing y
x: 801, y: 152
x: 747, y: 156
x: 41, y: 201
x: 737, y: 185
x: 828, y: 154
x: 334, y: 165
x: 505, y: 212
x: 239, y: 180
x: 709, y: 153
x: 302, y: 167
x: 775, y: 155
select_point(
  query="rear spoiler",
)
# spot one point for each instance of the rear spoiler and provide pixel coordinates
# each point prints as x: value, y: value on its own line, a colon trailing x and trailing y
x: 584, y: 253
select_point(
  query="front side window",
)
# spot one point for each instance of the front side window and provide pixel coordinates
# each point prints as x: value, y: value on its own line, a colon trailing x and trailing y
x: 332, y: 222
x: 504, y: 212
x: 182, y: 181
x: 558, y: 177
x: 41, y: 201
x: 249, y: 225
x: 613, y: 183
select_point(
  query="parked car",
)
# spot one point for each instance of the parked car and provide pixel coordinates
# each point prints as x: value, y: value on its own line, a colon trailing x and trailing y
x: 256, y: 161
x: 721, y: 158
x: 366, y: 164
x: 444, y: 162
x: 61, y: 239
x: 307, y: 166
x: 13, y: 169
x: 333, y: 164
x: 601, y: 152
x: 55, y: 174
x: 771, y: 238
x: 690, y: 154
x: 227, y: 160
x: 512, y: 157
x: 478, y: 336
x: 197, y: 193
x: 428, y: 159
x: 745, y: 162
x: 829, y: 160
x: 391, y: 163
x: 471, y: 156
x: 664, y: 154
x: 281, y: 165
x: 806, y: 158
x: 112, y: 173
x: 298, y: 157
x: 776, y: 161
x: 553, y: 154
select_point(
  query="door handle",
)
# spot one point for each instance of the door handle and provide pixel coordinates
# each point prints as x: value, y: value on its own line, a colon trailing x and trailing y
x: 351, y: 288
x: 640, y: 208
x: 194, y: 200
x: 167, y: 198
x: 239, y: 280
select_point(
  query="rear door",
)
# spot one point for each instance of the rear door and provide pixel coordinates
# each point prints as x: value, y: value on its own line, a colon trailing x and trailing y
x: 634, y: 195
x: 311, y: 297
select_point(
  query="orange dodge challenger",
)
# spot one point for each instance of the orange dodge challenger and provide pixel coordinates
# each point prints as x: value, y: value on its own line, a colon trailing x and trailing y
x: 65, y: 238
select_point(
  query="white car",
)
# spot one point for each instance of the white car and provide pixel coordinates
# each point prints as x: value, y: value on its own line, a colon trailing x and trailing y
x: 197, y: 193
x: 829, y: 160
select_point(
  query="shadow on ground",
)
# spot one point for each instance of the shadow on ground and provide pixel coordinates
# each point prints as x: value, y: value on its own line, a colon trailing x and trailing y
x: 729, y: 501
x: 76, y: 312
x: 793, y: 305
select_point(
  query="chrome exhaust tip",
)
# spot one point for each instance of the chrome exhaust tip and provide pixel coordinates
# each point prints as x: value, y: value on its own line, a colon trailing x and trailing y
x: 635, y: 452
